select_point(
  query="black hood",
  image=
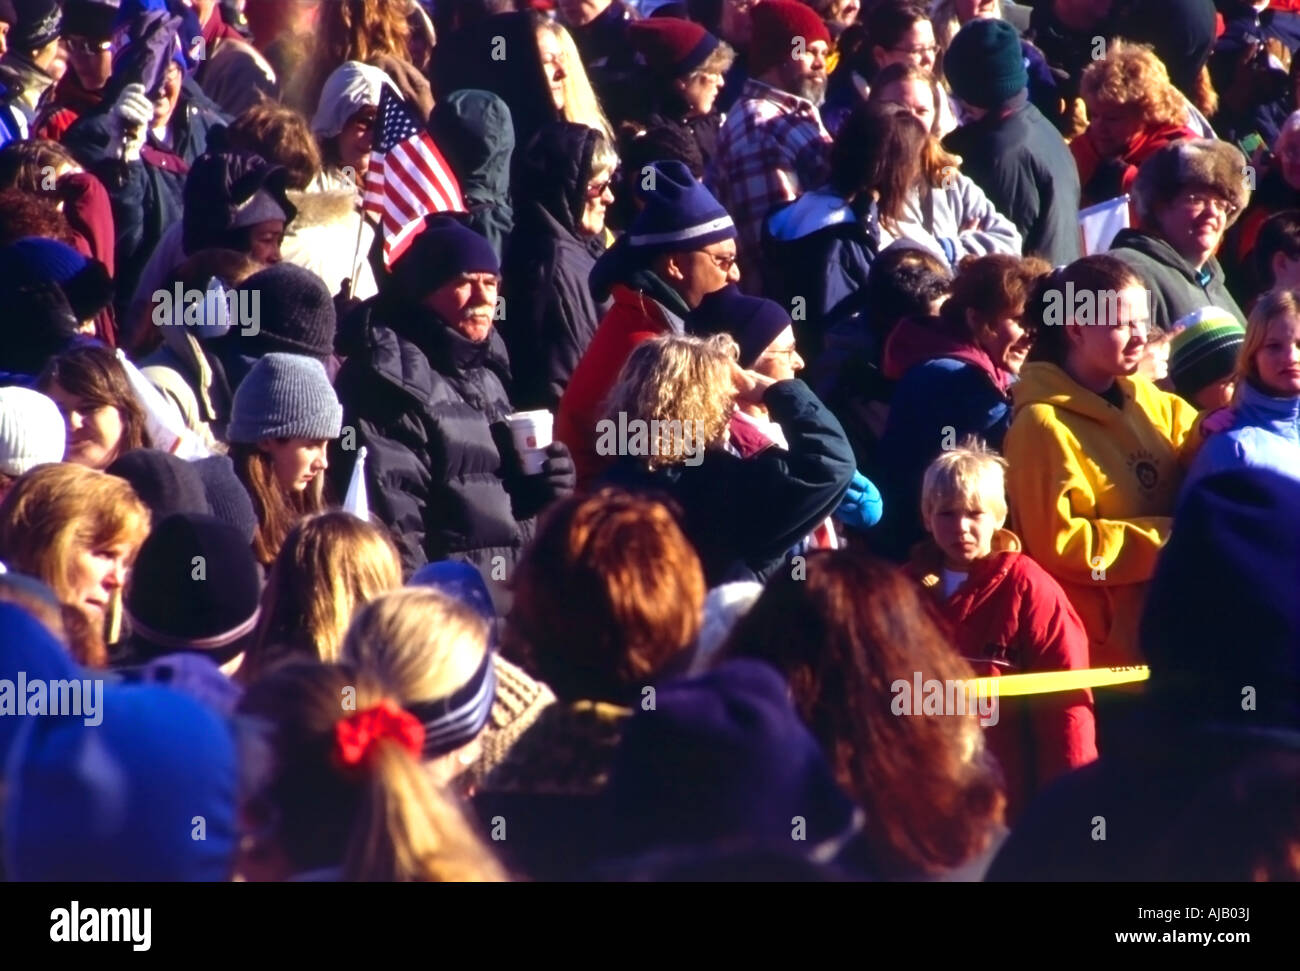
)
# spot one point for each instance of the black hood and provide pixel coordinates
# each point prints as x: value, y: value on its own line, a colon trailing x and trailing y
x: 553, y: 171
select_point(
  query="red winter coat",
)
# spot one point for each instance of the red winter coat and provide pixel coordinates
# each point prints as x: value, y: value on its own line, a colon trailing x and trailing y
x: 1011, y: 617
x: 634, y: 317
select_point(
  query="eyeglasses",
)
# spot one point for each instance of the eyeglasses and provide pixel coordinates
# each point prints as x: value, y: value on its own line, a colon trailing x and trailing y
x: 597, y: 189
x: 84, y: 45
x: 1200, y: 201
x: 723, y: 263
x: 789, y: 353
x: 930, y: 49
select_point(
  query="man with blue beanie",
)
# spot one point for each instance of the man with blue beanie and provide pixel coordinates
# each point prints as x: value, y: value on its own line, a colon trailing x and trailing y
x: 680, y: 247
x: 425, y: 387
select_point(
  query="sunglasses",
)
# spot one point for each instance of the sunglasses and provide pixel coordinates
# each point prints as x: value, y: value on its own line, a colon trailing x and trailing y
x: 84, y: 45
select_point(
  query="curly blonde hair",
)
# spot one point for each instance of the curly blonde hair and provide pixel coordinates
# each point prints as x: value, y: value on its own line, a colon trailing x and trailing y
x: 1131, y: 74
x: 683, y: 387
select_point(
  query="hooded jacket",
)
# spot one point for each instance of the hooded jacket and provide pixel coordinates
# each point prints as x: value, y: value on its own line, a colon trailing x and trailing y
x: 470, y: 58
x: 1265, y: 434
x: 1092, y: 490
x: 1026, y: 170
x: 745, y: 514
x: 550, y: 314
x: 423, y: 400
x: 1011, y: 617
x: 218, y: 189
x: 1175, y: 287
x: 643, y: 307
x: 818, y: 249
x: 947, y: 388
x: 472, y: 130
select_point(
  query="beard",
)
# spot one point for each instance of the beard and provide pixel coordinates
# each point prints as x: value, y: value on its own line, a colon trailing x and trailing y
x: 812, y: 89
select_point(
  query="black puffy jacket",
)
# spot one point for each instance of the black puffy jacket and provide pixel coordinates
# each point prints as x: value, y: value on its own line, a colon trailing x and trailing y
x: 423, y: 401
x: 550, y: 315
x: 744, y: 515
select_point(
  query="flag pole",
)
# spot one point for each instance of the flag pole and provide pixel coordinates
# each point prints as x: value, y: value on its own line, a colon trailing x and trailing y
x: 356, y: 252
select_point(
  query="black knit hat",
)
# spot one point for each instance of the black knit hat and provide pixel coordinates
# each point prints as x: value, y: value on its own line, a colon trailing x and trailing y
x: 39, y: 22
x: 442, y: 251
x: 195, y: 587
x: 294, y: 311
x: 226, y: 494
x: 164, y: 483
x: 90, y: 18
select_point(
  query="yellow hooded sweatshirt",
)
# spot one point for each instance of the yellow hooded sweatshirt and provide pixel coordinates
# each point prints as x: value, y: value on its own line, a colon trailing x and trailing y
x: 1092, y: 490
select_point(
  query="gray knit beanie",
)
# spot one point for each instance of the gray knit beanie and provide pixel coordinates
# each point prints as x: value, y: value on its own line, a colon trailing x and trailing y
x: 285, y: 396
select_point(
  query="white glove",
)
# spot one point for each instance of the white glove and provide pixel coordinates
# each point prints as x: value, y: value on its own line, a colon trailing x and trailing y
x: 132, y: 114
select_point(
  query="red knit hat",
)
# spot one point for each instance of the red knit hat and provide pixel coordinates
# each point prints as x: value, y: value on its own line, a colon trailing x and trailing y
x: 776, y: 23
x: 671, y: 46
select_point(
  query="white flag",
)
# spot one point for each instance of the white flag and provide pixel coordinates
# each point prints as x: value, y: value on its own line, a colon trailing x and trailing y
x: 1100, y: 224
x: 357, y: 502
x: 163, y: 422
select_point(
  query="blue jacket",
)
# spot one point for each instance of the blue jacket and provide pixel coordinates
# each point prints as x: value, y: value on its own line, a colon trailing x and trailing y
x: 1265, y: 435
x: 818, y: 249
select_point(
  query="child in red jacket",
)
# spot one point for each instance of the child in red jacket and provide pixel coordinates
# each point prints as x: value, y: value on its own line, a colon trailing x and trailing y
x: 1007, y: 616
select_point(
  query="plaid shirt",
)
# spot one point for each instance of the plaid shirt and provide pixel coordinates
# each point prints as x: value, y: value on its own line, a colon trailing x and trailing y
x: 771, y: 149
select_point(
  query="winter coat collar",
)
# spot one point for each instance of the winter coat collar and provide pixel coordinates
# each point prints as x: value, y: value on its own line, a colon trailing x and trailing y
x: 452, y: 354
x: 755, y: 90
x: 1043, y: 383
x: 1162, y: 252
x: 927, y: 564
x: 620, y: 265
x: 335, y: 207
x: 918, y: 340
x: 643, y: 303
x: 1281, y: 416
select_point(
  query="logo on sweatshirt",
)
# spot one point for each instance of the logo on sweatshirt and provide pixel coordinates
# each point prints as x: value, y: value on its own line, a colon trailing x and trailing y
x: 1144, y: 467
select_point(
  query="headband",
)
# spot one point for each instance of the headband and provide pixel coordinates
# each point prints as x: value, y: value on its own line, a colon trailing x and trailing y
x: 453, y: 721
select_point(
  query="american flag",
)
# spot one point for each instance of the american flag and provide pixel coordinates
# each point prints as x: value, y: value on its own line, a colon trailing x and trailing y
x: 408, y: 178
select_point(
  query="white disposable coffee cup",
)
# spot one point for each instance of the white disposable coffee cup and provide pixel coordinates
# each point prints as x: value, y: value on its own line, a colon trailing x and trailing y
x: 531, y: 431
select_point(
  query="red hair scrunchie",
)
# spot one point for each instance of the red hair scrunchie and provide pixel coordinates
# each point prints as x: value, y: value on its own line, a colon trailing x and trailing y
x: 357, y: 737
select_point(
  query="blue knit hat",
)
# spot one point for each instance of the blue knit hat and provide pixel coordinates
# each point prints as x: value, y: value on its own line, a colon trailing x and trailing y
x: 443, y: 250
x: 285, y: 396
x: 85, y: 282
x: 27, y: 647
x: 985, y: 64
x: 723, y: 758
x: 126, y: 799
x: 753, y: 321
x: 1235, y: 541
x: 679, y: 214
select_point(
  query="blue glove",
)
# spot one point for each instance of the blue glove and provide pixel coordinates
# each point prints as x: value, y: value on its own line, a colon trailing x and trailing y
x: 861, y: 507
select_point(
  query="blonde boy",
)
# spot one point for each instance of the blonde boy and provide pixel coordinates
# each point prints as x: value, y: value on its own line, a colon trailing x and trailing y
x: 1007, y: 616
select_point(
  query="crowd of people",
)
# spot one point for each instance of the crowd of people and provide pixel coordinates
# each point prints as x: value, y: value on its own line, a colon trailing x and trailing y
x: 829, y: 398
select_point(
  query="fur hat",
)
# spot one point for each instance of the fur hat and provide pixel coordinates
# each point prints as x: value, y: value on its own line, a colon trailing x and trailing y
x: 1206, y: 162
